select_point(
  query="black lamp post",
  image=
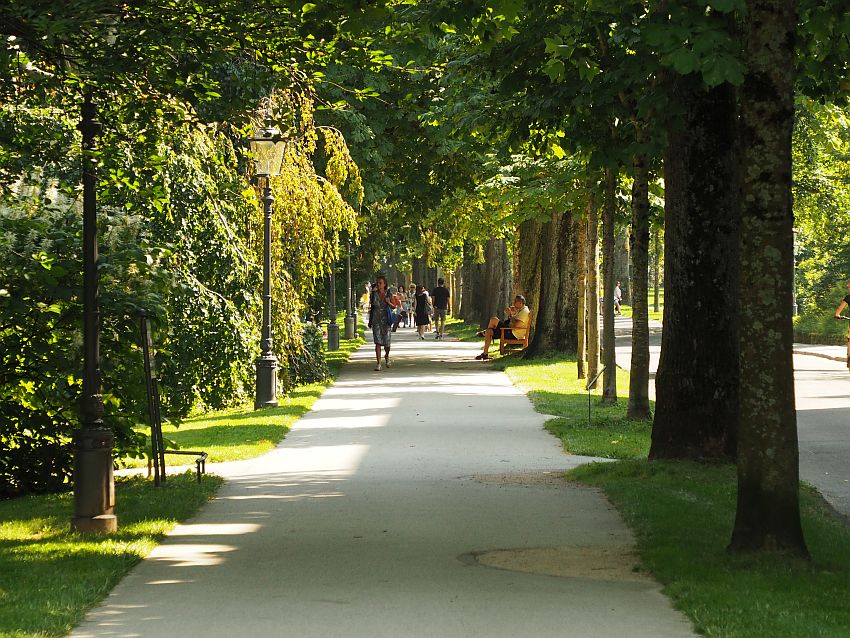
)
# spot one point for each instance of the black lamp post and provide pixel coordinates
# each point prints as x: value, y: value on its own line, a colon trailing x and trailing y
x: 268, y: 148
x: 94, y: 484
x: 349, y: 306
x: 333, y: 326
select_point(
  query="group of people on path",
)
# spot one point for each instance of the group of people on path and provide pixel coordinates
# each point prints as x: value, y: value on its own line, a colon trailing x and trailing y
x: 388, y: 309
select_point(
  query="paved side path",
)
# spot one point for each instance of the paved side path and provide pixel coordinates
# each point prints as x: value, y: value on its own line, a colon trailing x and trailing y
x: 380, y: 515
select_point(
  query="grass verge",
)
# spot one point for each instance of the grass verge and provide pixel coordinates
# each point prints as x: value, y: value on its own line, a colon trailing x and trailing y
x: 587, y: 428
x: 50, y: 576
x: 682, y: 515
x: 244, y: 433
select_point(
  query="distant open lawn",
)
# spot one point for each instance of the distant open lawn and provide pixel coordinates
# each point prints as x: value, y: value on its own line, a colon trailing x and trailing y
x: 50, y: 576
x: 244, y: 433
x: 682, y: 516
x: 657, y: 316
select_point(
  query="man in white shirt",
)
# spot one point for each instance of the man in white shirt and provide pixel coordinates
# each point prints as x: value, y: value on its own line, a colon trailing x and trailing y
x: 618, y: 298
x: 516, y: 322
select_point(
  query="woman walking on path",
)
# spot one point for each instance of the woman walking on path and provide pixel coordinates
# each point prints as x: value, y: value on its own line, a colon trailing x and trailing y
x: 404, y: 315
x: 380, y: 323
x: 420, y: 309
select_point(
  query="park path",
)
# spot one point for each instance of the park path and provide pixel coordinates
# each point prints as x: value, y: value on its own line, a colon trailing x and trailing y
x: 421, y: 501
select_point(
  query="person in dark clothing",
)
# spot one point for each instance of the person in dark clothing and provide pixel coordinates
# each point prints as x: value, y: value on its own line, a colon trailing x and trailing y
x: 420, y: 310
x: 442, y: 299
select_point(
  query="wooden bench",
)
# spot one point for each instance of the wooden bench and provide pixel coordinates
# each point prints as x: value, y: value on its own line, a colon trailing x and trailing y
x: 503, y: 342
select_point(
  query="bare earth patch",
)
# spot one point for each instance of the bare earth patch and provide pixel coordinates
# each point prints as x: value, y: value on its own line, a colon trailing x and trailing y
x: 551, y: 478
x: 616, y: 563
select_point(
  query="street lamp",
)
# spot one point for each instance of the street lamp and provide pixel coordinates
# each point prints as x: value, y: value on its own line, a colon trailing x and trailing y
x: 349, y: 306
x: 94, y: 483
x: 267, y: 147
x: 333, y: 326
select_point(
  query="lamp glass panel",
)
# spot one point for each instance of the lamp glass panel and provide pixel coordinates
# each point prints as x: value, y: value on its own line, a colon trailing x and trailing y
x: 268, y: 152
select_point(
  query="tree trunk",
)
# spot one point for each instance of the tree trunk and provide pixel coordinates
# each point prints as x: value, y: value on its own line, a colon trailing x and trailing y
x: 581, y: 286
x: 656, y: 267
x: 474, y: 310
x: 623, y: 263
x: 498, y: 278
x: 696, y: 385
x: 549, y: 261
x: 768, y: 513
x: 592, y: 299
x: 639, y: 377
x: 609, y: 354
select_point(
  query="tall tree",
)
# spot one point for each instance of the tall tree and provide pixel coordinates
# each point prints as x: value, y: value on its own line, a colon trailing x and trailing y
x: 592, y: 289
x: 609, y: 354
x: 639, y: 378
x: 768, y: 512
x: 696, y: 382
x: 581, y: 285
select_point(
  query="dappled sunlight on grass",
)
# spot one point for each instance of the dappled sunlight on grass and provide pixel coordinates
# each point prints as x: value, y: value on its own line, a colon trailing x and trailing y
x: 49, y: 575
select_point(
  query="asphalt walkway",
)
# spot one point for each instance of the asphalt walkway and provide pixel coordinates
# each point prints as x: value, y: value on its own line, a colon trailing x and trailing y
x: 420, y: 501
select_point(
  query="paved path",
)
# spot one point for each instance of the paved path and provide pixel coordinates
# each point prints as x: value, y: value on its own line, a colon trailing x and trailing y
x: 822, y: 388
x: 379, y: 514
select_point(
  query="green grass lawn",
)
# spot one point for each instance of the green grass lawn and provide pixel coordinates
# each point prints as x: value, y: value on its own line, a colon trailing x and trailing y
x: 50, y: 576
x: 553, y: 387
x: 244, y: 433
x: 461, y: 330
x: 682, y: 516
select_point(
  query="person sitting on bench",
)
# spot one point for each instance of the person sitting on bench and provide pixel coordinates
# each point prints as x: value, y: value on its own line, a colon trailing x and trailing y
x: 516, y: 323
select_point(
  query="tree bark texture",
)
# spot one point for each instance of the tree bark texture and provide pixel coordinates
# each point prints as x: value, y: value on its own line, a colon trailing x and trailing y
x: 581, y: 286
x: 656, y: 268
x: 548, y: 263
x: 638, y: 407
x: 472, y: 306
x: 623, y: 263
x: 696, y: 385
x: 498, y: 277
x: 487, y: 286
x: 609, y: 354
x: 768, y: 512
x: 592, y: 290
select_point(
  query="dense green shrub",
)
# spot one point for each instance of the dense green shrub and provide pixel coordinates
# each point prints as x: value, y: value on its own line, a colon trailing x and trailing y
x: 309, y: 365
x: 41, y: 343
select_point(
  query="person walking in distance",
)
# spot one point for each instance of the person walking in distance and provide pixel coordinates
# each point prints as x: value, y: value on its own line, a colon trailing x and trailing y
x: 379, y: 321
x: 442, y: 298
x: 420, y: 310
x: 618, y: 298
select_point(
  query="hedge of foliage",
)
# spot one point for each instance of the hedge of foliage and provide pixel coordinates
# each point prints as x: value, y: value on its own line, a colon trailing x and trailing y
x: 181, y: 238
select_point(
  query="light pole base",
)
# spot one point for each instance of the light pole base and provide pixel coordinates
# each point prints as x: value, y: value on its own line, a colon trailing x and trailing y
x: 266, y: 395
x: 333, y: 336
x: 349, y: 327
x: 103, y: 524
x: 94, y: 485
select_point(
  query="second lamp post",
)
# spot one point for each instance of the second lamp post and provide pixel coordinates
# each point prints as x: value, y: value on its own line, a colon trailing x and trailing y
x: 268, y: 148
